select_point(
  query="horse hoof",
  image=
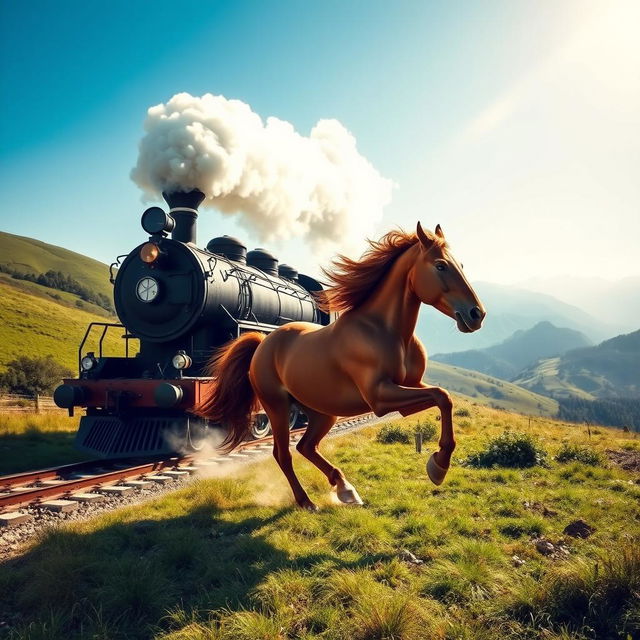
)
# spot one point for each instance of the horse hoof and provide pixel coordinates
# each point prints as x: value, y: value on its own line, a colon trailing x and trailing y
x: 349, y: 495
x: 309, y: 506
x: 435, y: 472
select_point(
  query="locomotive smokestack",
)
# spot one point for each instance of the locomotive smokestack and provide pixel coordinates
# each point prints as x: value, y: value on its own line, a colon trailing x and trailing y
x: 184, y: 209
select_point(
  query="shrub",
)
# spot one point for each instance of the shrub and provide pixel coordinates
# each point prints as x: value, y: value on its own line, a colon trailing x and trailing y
x: 510, y: 449
x: 576, y: 453
x: 427, y: 429
x: 463, y: 412
x: 391, y: 433
x: 33, y: 375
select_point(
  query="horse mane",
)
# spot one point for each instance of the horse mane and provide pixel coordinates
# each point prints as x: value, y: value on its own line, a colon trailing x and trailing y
x: 352, y: 281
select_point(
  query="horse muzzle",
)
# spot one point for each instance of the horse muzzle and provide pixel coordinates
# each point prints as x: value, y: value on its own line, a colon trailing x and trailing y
x: 471, y: 320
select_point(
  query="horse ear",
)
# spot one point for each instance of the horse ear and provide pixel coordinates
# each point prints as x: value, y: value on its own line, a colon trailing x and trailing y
x: 425, y: 240
x: 439, y: 231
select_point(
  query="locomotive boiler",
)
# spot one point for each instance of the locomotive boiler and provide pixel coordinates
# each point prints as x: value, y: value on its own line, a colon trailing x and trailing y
x: 178, y: 302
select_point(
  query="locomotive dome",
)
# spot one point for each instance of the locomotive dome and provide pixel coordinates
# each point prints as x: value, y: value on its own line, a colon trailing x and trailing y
x: 263, y: 260
x: 288, y: 272
x: 229, y: 247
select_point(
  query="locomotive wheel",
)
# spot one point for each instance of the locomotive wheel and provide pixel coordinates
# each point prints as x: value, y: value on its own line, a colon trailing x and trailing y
x: 261, y: 426
x: 197, y: 433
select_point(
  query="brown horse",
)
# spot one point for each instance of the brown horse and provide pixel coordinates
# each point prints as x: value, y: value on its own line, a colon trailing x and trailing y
x: 367, y: 360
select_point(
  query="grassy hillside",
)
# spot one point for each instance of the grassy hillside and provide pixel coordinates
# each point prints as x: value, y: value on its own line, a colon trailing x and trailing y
x: 544, y: 377
x: 488, y: 391
x: 33, y: 256
x: 230, y: 558
x: 35, y: 326
x: 607, y: 370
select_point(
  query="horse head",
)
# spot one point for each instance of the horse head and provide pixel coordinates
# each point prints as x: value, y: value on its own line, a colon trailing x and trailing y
x: 438, y: 280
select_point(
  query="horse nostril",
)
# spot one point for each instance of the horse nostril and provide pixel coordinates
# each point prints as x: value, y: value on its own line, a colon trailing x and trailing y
x: 475, y: 313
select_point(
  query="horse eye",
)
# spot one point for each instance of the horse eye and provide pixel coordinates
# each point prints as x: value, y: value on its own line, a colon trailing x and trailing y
x: 440, y: 266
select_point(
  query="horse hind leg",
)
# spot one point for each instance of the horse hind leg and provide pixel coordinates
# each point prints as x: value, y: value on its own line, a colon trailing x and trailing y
x: 319, y: 425
x: 277, y: 408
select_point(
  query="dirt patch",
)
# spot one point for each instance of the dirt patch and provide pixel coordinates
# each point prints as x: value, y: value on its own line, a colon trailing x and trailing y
x: 627, y: 460
x: 578, y: 529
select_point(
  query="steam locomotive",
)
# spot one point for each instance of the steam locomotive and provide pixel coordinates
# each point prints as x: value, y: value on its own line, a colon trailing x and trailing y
x: 179, y: 303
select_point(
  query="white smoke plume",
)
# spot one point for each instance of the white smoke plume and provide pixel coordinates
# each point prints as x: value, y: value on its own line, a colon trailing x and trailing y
x: 281, y: 184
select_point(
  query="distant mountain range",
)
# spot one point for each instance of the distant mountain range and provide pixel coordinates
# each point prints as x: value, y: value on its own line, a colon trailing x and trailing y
x: 616, y: 303
x: 524, y: 348
x: 509, y: 309
x: 559, y: 363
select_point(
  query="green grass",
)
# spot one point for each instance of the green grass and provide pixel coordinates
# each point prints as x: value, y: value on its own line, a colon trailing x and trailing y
x: 63, y: 298
x: 34, y: 326
x: 37, y: 441
x: 488, y: 391
x: 232, y: 558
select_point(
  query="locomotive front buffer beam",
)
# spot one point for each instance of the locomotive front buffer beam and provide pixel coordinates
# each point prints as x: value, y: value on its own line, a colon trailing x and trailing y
x: 116, y: 395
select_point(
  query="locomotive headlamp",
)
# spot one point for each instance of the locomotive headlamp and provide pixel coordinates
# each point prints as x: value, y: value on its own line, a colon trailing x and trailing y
x: 156, y: 222
x: 149, y: 252
x: 88, y: 362
x: 181, y: 361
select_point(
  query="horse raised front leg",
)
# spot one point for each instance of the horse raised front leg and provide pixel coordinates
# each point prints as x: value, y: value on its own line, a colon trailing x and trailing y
x: 387, y: 396
x: 319, y: 425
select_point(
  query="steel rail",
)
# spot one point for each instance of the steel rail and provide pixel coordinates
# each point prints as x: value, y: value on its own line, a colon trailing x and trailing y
x: 34, y: 491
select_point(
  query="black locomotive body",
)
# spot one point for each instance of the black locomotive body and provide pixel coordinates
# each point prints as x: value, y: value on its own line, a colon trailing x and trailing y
x: 179, y: 303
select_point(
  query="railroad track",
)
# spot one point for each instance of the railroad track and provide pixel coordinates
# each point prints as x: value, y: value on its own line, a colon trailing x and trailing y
x: 58, y: 487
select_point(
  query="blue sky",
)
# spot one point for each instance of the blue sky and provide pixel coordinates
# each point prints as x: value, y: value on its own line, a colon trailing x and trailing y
x: 513, y: 124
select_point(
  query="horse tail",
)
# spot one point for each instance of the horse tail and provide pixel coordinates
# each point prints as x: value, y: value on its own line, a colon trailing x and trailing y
x: 232, y: 400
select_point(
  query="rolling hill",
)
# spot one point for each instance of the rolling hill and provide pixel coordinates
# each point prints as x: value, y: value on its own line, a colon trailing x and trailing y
x: 488, y: 391
x: 521, y: 350
x: 26, y: 255
x: 32, y: 325
x: 608, y: 370
x: 36, y: 320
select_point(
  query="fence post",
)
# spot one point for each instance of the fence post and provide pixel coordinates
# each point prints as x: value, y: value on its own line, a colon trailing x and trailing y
x: 37, y: 403
x: 418, y: 438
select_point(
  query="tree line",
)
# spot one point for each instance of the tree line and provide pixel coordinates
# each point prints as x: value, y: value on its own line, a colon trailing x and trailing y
x: 61, y: 282
x: 610, y: 412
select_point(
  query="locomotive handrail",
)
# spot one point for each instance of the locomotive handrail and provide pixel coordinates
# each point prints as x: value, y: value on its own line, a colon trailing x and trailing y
x: 113, y: 265
x: 274, y: 286
x: 209, y: 274
x: 248, y: 324
x: 106, y: 326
